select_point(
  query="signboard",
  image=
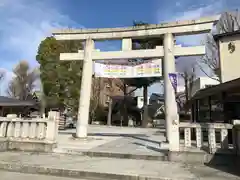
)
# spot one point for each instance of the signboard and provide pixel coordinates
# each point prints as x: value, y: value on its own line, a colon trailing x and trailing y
x: 173, y: 80
x: 126, y: 69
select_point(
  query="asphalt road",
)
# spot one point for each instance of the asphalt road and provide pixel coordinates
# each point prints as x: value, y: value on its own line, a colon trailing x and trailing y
x: 4, y: 175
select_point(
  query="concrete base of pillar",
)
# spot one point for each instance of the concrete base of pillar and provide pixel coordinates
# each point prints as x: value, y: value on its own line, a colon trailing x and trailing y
x: 174, y: 134
x: 81, y: 131
x: 74, y: 137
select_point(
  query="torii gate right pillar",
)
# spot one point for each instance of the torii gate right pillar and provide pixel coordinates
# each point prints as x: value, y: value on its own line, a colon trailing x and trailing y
x: 171, y: 112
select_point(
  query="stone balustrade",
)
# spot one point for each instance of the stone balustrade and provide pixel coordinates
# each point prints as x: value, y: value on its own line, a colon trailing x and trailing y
x: 29, y: 134
x: 210, y: 129
x: 24, y: 129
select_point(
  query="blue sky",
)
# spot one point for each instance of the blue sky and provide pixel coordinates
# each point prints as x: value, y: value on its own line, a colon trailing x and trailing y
x: 24, y: 23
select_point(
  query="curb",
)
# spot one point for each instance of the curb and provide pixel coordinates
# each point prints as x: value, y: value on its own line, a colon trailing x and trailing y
x: 30, y: 169
x: 163, y: 157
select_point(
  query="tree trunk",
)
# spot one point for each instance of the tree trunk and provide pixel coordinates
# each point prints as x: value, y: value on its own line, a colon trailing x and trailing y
x: 109, y: 120
x: 145, y: 107
x: 125, y: 113
x: 43, y: 104
x: 186, y: 82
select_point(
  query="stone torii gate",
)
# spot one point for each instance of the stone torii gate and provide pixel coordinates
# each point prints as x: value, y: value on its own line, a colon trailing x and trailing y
x: 168, y: 52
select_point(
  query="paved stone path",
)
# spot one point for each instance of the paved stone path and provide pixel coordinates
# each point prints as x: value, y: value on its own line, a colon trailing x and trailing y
x: 21, y: 176
x: 134, y: 145
x: 109, y: 168
x: 122, y: 140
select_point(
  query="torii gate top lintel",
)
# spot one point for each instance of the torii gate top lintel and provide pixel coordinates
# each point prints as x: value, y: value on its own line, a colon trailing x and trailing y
x: 187, y: 27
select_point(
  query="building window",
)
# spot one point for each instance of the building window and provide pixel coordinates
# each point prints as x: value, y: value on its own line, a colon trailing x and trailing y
x: 107, y: 85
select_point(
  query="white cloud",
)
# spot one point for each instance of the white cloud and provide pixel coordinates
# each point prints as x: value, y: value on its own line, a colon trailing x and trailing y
x: 23, y: 25
x: 8, y: 75
x: 194, y: 13
x: 3, y: 3
x: 193, y: 40
x: 198, y: 12
x: 178, y: 4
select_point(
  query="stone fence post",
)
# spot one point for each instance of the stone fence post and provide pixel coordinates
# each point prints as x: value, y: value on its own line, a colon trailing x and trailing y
x: 236, y: 136
x: 52, y: 125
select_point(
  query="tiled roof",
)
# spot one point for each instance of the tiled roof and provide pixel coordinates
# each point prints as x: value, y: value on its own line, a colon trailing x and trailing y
x: 7, y: 101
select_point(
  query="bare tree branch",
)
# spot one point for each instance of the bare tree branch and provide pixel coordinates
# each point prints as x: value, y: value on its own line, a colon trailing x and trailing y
x: 228, y: 22
x: 200, y: 67
x: 23, y: 84
x: 188, y: 75
x: 236, y: 18
x: 95, y: 97
x: 2, y: 75
x: 12, y: 90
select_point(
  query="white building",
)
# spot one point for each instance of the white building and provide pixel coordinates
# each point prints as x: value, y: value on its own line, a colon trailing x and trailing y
x: 203, y: 82
x: 140, y: 101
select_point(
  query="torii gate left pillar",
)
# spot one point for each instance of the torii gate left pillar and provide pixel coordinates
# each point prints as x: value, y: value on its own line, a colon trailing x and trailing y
x: 85, y: 92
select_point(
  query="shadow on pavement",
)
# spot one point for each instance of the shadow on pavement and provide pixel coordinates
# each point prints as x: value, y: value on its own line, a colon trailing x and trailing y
x: 226, y: 162
x: 165, y: 151
x: 108, y: 134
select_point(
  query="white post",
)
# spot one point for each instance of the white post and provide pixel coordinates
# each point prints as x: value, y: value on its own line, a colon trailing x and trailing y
x: 171, y: 114
x: 52, y: 125
x: 236, y: 136
x: 126, y: 44
x: 85, y: 93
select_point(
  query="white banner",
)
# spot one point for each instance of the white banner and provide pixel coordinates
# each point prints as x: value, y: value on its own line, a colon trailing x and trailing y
x: 147, y: 68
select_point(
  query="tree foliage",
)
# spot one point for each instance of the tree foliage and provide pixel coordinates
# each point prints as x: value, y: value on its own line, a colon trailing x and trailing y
x: 23, y: 82
x: 61, y: 80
